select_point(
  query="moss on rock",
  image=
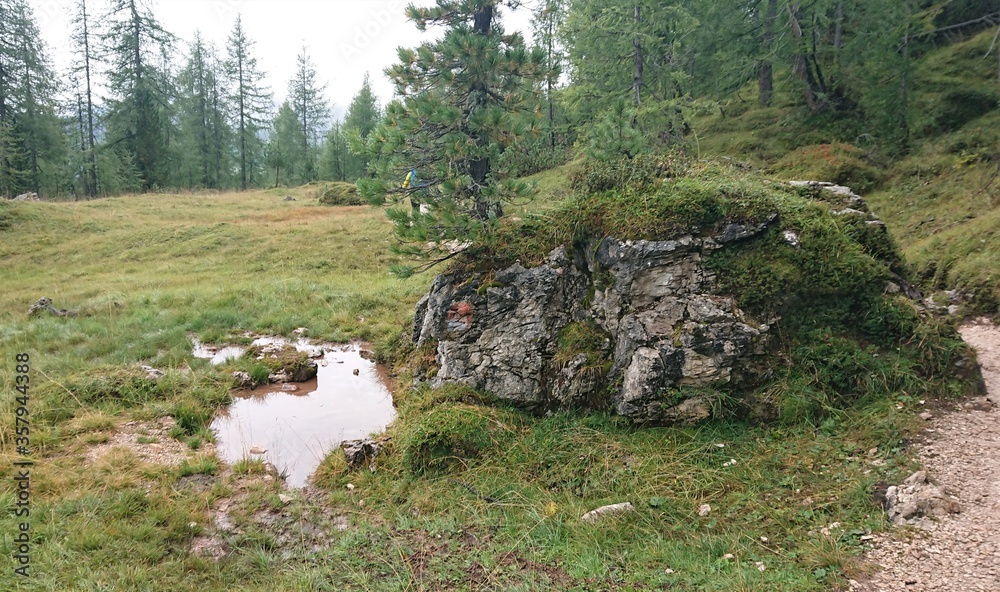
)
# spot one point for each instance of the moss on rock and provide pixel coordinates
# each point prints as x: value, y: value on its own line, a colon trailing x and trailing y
x: 338, y: 193
x: 821, y: 271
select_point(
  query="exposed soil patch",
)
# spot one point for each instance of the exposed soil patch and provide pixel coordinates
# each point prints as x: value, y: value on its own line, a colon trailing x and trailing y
x: 151, y: 442
x: 260, y: 510
x: 961, y: 454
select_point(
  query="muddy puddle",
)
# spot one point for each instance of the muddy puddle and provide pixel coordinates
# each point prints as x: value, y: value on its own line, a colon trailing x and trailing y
x: 294, y: 430
x: 217, y: 355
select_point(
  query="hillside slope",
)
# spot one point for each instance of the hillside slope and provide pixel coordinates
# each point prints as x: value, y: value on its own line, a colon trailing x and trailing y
x: 941, y: 201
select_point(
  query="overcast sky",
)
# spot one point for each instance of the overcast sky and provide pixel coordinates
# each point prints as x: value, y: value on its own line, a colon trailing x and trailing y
x: 345, y: 38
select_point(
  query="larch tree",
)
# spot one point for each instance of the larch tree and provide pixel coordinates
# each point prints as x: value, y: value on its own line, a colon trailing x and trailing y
x: 305, y: 95
x: 285, y: 144
x: 251, y: 101
x: 463, y: 98
x: 195, y: 151
x: 137, y: 46
x: 335, y: 164
x: 82, y: 39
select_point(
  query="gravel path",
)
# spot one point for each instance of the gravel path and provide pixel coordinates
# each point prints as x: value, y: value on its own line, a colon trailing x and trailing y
x: 960, y: 552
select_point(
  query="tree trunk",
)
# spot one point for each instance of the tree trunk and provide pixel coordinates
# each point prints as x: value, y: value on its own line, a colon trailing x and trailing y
x: 243, y: 131
x: 83, y: 143
x: 637, y: 56
x: 548, y: 84
x: 838, y: 33
x: 91, y: 156
x: 800, y: 61
x: 479, y: 167
x: 765, y: 80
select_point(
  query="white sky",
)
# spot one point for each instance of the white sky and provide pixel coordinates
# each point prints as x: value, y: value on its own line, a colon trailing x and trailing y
x: 345, y: 37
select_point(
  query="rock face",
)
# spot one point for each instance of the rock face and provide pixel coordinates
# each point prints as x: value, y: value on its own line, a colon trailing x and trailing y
x: 668, y: 339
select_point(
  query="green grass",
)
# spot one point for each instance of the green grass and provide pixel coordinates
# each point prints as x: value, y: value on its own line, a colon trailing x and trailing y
x: 148, y: 272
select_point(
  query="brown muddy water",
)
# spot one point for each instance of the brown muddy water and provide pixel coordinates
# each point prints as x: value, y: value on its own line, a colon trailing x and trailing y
x: 294, y: 431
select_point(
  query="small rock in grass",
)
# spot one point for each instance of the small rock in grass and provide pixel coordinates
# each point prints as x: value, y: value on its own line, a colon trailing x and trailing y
x: 284, y: 498
x: 704, y: 509
x: 257, y: 450
x: 610, y: 510
x: 926, y: 416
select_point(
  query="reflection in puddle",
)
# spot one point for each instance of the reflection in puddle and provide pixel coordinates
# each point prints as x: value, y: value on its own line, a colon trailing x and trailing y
x: 297, y: 429
x: 215, y: 354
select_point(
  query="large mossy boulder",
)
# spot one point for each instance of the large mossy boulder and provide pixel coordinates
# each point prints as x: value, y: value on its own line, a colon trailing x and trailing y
x: 338, y: 193
x: 671, y: 292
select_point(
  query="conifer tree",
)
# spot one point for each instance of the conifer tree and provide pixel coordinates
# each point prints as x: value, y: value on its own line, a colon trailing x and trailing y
x: 31, y: 142
x: 464, y: 97
x: 337, y: 164
x: 251, y: 101
x: 137, y: 48
x: 363, y: 115
x: 311, y: 110
x: 82, y: 39
x: 285, y: 144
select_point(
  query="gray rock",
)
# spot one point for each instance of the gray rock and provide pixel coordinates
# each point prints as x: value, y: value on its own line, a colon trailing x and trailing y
x: 242, y: 379
x: 605, y: 511
x: 361, y: 453
x: 916, y: 499
x: 666, y: 328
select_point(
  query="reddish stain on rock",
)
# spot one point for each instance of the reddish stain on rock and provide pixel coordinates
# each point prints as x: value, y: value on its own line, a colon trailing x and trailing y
x: 461, y: 311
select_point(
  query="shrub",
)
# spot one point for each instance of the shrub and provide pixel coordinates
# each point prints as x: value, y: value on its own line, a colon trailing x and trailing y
x: 530, y: 157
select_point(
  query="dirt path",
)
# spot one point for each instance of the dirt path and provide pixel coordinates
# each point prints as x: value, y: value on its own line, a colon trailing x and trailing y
x: 960, y: 552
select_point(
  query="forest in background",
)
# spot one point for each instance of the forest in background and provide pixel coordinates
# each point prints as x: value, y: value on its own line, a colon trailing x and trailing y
x: 141, y: 110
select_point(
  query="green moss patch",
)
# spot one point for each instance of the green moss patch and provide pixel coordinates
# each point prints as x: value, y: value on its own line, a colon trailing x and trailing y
x: 340, y: 194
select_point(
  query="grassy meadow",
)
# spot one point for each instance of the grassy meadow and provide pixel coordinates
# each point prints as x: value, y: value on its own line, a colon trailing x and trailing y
x: 789, y: 505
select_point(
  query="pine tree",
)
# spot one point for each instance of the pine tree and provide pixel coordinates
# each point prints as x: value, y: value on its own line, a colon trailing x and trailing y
x: 195, y: 153
x: 311, y: 110
x: 336, y: 163
x: 285, y: 144
x: 32, y: 140
x: 138, y: 117
x: 464, y: 97
x: 251, y: 101
x: 363, y: 116
x: 546, y: 21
